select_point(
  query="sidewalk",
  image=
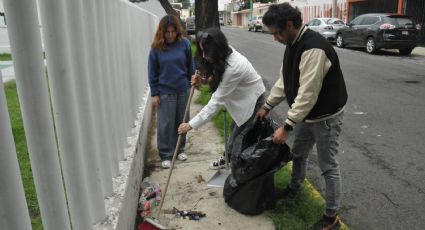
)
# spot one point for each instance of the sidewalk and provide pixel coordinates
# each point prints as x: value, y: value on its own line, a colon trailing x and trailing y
x: 188, y: 188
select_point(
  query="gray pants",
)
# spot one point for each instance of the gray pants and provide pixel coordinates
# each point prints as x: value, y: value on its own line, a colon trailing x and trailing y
x: 325, y: 135
x: 169, y: 116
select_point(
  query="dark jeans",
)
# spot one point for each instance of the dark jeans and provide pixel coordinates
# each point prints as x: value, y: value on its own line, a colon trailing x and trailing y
x: 169, y: 116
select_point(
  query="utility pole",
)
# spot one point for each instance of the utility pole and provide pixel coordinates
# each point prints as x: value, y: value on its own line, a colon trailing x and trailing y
x: 334, y: 8
x: 250, y: 9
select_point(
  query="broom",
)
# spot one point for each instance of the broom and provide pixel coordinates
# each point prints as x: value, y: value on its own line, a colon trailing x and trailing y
x: 152, y: 223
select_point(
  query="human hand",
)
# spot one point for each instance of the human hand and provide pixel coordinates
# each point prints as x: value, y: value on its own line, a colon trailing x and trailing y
x: 196, y: 80
x: 155, y: 102
x: 280, y: 136
x: 262, y: 113
x: 184, y: 128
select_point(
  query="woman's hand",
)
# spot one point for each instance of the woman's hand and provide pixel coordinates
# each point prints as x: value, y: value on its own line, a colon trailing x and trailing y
x: 184, y: 128
x: 196, y: 80
x: 155, y: 102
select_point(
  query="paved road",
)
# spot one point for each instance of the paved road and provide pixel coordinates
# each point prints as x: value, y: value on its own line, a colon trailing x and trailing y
x: 383, y: 158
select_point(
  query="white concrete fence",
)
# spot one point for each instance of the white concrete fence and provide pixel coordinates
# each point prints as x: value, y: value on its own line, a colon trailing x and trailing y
x: 86, y: 120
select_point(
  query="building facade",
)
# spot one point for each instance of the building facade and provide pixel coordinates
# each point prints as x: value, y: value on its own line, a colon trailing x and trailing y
x: 346, y: 10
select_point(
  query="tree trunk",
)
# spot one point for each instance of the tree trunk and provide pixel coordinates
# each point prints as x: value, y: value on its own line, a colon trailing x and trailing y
x: 206, y: 14
x: 168, y: 8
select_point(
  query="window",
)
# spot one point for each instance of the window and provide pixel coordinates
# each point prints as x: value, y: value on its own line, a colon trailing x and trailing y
x: 402, y: 22
x: 314, y: 22
x: 357, y: 21
x: 333, y: 21
x: 370, y: 20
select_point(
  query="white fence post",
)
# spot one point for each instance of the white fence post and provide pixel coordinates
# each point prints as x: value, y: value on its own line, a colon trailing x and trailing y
x: 107, y: 85
x: 13, y: 207
x: 97, y: 91
x: 84, y: 107
x: 26, y: 47
x: 61, y: 78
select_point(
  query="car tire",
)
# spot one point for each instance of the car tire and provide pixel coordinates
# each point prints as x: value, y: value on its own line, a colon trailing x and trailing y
x: 405, y: 51
x: 370, y: 45
x: 255, y: 29
x: 339, y: 41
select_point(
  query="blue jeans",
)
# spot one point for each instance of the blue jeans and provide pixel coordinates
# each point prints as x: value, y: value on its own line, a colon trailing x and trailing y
x: 169, y: 116
x: 325, y: 135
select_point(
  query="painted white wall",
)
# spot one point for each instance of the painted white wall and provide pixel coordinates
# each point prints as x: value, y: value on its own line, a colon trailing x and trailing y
x: 319, y: 8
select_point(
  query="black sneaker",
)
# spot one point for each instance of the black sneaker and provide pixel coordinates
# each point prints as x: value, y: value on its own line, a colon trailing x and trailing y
x: 287, y: 193
x: 327, y: 223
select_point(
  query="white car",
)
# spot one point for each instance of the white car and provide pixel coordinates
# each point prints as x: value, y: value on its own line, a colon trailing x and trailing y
x: 327, y: 27
x: 256, y: 23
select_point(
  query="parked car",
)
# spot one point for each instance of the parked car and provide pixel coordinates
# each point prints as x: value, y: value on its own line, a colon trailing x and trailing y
x: 255, y: 23
x: 327, y: 27
x: 376, y: 31
x: 221, y: 21
x: 190, y: 25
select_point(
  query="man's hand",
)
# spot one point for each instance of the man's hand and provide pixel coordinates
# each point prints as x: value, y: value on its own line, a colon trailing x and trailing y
x: 184, y: 128
x: 280, y: 136
x: 262, y: 113
x: 155, y: 102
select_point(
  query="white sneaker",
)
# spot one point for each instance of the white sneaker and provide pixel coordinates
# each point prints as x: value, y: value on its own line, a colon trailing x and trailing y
x: 182, y: 157
x: 218, y: 164
x: 166, y: 164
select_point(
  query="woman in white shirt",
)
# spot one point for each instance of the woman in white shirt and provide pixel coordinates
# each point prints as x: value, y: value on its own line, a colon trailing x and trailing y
x: 235, y: 84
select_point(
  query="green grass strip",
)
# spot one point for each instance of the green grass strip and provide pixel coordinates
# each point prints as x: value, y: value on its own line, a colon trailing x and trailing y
x: 22, y: 154
x: 5, y: 57
x: 299, y: 213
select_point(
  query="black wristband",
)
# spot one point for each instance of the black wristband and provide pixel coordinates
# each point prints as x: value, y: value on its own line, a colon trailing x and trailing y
x: 288, y: 127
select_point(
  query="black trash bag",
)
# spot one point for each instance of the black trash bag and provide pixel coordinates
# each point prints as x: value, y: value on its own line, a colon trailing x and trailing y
x: 254, y: 152
x: 255, y: 158
x: 253, y: 197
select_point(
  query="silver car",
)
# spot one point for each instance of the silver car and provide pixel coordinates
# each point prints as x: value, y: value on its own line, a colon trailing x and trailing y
x: 255, y: 23
x: 327, y: 27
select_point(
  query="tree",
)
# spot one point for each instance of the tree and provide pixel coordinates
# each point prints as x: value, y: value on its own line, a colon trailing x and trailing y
x: 206, y: 14
x: 168, y: 8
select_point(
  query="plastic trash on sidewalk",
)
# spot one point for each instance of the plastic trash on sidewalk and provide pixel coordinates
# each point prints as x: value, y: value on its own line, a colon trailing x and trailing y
x: 255, y: 159
x: 150, y: 196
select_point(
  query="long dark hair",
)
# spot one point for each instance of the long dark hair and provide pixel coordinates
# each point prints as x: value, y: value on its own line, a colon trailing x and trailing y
x: 216, y: 48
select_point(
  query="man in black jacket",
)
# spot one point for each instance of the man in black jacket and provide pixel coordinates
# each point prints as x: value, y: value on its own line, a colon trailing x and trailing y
x: 312, y: 83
